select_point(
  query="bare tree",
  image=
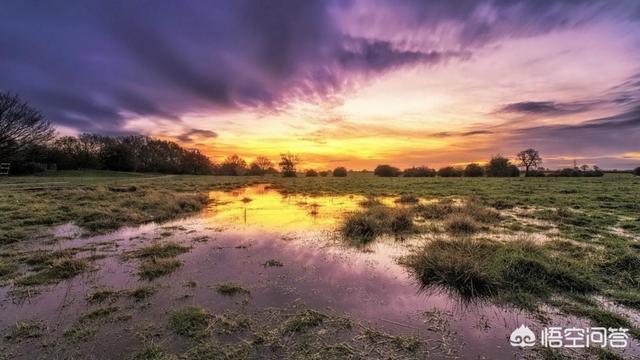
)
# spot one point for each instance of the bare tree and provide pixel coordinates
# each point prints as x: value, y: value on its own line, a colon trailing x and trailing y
x: 288, y: 164
x: 529, y: 158
x: 21, y: 127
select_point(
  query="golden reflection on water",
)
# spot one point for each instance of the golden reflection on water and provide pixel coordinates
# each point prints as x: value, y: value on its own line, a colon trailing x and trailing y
x: 261, y: 206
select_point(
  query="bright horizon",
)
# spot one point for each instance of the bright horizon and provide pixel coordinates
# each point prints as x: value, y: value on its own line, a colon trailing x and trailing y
x: 341, y: 83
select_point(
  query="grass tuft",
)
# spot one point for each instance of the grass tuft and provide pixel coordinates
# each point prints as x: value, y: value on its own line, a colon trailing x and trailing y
x: 231, y: 289
x: 189, y: 321
x: 155, y: 268
x: 164, y: 250
x: 303, y: 321
x: 59, y: 270
x: 25, y: 330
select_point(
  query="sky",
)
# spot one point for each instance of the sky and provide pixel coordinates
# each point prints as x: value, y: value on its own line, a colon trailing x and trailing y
x: 352, y: 83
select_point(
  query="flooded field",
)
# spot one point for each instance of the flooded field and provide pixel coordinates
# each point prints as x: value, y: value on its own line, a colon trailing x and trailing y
x: 253, y: 260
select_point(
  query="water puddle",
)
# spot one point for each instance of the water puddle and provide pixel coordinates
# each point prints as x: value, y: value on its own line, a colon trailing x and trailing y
x: 262, y: 206
x: 232, y: 242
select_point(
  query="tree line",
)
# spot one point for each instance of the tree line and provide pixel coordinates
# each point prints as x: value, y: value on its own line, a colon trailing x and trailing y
x: 28, y: 141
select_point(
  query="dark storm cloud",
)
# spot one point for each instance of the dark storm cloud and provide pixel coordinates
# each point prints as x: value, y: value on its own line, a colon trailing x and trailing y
x: 615, y: 134
x: 545, y: 108
x: 91, y: 64
x: 189, y: 136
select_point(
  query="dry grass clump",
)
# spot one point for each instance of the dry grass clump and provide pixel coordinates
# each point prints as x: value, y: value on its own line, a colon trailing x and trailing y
x: 460, y: 224
x: 517, y: 272
x: 190, y: 321
x: 374, y: 221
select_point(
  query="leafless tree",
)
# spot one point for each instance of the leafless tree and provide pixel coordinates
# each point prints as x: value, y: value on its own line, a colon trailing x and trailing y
x: 21, y: 127
x: 529, y: 158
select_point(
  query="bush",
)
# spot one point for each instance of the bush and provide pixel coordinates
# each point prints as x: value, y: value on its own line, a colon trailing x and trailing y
x: 473, y: 170
x: 323, y: 173
x: 339, y: 172
x: 500, y: 166
x: 569, y: 172
x: 450, y: 171
x: 535, y: 173
x: 514, y: 171
x: 420, y: 171
x: 27, y: 168
x: 311, y: 173
x: 636, y: 171
x: 386, y: 171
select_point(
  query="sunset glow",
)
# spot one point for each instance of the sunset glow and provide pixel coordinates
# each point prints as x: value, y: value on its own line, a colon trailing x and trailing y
x: 349, y: 83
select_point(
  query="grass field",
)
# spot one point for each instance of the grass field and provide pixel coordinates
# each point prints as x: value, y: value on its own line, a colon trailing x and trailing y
x: 569, y: 243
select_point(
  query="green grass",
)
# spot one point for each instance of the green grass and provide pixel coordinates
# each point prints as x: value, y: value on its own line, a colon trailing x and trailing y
x: 161, y: 250
x: 59, y: 270
x: 363, y: 226
x: 516, y: 272
x: 190, y: 321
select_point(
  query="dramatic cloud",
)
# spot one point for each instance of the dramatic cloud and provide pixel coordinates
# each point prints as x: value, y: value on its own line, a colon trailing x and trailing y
x: 438, y: 73
x: 193, y: 134
x: 545, y: 108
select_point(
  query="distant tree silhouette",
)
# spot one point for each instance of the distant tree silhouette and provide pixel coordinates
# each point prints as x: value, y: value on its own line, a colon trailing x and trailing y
x: 233, y: 165
x: 529, y: 158
x: 288, y: 163
x: 386, y: 171
x: 473, y: 170
x: 311, y: 173
x: 324, y: 173
x: 261, y: 166
x: 21, y: 127
x: 499, y: 166
x: 636, y: 171
x: 340, y: 172
x: 420, y: 171
x: 450, y: 171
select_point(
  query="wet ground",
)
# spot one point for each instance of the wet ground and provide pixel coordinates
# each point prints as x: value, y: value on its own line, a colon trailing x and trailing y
x: 233, y: 241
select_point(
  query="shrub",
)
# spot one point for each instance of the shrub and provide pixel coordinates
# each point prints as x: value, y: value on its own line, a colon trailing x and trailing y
x: 420, y: 171
x: 473, y: 170
x: 323, y: 173
x: 500, y: 166
x: 311, y: 173
x: 535, y: 173
x: 636, y: 171
x: 450, y: 171
x: 339, y: 172
x: 27, y: 168
x: 386, y: 171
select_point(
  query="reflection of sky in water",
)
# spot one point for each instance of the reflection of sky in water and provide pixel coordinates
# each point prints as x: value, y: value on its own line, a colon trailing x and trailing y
x: 319, y: 271
x: 262, y: 206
